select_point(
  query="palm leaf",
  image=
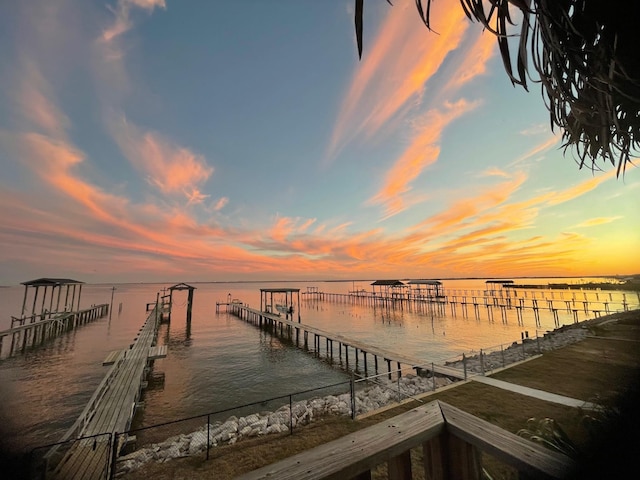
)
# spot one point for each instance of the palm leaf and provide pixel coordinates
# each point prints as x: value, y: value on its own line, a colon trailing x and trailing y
x: 584, y: 57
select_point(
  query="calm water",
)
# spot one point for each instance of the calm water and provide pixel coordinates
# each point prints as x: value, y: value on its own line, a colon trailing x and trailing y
x: 222, y: 361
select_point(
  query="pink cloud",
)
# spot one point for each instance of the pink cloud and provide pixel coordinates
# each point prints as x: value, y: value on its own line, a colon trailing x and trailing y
x: 122, y: 12
x: 422, y: 151
x: 171, y: 168
x: 221, y: 203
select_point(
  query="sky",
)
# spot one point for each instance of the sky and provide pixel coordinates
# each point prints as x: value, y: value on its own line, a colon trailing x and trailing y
x: 167, y: 140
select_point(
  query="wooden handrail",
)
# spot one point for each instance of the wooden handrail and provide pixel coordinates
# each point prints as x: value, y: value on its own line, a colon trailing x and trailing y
x: 451, y: 440
x: 360, y: 451
x: 523, y: 455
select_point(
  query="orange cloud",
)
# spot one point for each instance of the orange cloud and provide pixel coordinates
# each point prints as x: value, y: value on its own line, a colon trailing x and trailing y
x: 474, y: 63
x: 171, y: 168
x: 402, y: 59
x: 581, y: 188
x: 422, y: 151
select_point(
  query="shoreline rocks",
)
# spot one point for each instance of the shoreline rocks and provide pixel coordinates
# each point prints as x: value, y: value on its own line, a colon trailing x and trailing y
x: 380, y: 394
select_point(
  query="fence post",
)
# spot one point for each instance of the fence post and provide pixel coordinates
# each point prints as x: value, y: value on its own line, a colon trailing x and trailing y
x: 398, y: 388
x: 208, y: 431
x: 481, y: 362
x: 291, y: 414
x: 352, y: 386
x: 464, y: 365
x: 502, y: 353
x: 524, y: 353
x: 433, y: 376
x: 114, y: 455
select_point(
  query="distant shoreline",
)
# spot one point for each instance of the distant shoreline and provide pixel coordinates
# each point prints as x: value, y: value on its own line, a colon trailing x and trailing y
x: 607, y: 286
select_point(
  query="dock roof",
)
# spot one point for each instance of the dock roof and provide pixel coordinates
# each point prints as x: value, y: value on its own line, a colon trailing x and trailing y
x: 388, y: 283
x: 279, y: 290
x: 48, y: 282
x: 182, y: 286
x: 425, y: 282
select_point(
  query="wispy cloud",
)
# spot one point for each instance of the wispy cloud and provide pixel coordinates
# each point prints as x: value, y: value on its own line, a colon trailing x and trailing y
x: 221, y: 203
x: 422, y: 151
x: 580, y: 189
x: 474, y: 63
x: 170, y: 167
x: 395, y: 70
x: 536, y: 129
x: 122, y: 13
x: 593, y: 222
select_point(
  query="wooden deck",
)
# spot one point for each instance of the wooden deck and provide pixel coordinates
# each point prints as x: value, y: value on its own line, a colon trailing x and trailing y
x: 111, y: 407
x: 257, y: 317
x: 451, y: 440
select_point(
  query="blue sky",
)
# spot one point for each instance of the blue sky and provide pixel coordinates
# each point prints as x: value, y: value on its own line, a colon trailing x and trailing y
x: 153, y: 140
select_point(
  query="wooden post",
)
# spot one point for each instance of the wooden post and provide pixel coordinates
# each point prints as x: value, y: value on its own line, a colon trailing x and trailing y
x: 463, y: 459
x: 189, y: 305
x: 435, y: 459
x: 399, y: 467
x: 24, y: 300
x: 33, y: 306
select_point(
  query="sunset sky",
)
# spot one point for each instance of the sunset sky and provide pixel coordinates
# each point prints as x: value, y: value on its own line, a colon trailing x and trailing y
x: 166, y: 140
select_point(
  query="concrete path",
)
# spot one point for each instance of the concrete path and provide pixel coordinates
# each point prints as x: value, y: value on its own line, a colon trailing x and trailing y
x: 532, y: 392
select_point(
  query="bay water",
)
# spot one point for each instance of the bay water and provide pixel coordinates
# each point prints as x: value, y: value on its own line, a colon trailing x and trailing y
x: 221, y: 361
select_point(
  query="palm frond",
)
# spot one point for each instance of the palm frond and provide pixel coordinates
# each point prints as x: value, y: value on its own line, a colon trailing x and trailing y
x: 583, y: 55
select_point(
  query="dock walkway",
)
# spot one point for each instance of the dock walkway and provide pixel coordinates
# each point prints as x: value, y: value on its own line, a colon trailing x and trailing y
x: 259, y: 318
x: 35, y: 332
x: 110, y: 409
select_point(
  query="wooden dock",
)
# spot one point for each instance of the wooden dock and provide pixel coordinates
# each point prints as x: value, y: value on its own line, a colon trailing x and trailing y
x: 110, y: 409
x: 294, y: 330
x: 491, y: 302
x: 31, y: 331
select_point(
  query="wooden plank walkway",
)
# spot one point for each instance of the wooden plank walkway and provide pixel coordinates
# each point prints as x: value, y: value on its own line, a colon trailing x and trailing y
x: 27, y: 334
x: 256, y: 316
x: 111, y: 407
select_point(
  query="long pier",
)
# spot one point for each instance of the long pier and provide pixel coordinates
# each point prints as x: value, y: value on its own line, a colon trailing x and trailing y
x: 491, y: 301
x: 110, y: 409
x: 29, y: 331
x: 276, y: 322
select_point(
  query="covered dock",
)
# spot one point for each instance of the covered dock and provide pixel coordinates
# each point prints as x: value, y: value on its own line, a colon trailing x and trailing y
x: 284, y: 305
x: 51, y: 287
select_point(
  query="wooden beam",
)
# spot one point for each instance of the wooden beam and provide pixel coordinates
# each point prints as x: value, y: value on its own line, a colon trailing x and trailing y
x: 357, y: 453
x: 525, y: 456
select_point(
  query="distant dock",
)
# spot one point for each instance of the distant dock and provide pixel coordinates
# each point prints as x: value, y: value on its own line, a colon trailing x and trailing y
x: 31, y: 331
x: 296, y: 330
x: 498, y: 298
